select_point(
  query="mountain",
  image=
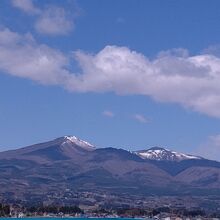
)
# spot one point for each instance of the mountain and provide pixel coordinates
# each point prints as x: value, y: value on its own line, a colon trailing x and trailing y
x: 59, y: 169
x: 174, y: 162
x: 63, y: 148
x: 162, y: 154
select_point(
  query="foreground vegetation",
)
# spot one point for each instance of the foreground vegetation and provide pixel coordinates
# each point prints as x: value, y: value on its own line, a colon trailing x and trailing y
x: 20, y: 211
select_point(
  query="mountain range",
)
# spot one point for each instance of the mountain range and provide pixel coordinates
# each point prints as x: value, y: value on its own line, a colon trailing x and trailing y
x: 68, y: 164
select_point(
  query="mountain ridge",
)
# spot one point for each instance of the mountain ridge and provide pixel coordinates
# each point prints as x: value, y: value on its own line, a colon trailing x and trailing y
x: 159, y: 153
x: 71, y: 163
x: 69, y: 139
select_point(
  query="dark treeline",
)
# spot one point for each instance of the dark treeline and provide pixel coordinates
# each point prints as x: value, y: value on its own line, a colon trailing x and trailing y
x: 14, y: 210
x: 4, y: 210
x: 7, y: 210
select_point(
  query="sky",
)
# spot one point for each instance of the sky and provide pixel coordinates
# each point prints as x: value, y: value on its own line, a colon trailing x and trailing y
x: 130, y: 74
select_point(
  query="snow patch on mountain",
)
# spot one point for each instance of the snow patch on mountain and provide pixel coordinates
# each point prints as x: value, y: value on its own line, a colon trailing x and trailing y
x: 74, y: 140
x: 157, y: 153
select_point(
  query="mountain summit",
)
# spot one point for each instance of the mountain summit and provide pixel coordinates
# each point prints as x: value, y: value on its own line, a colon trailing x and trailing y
x: 74, y: 140
x: 62, y: 148
x: 162, y: 154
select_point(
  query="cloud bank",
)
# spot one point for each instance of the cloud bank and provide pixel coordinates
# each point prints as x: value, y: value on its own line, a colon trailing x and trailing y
x: 21, y: 56
x: 173, y: 76
x: 51, y: 20
x: 26, y: 6
x: 54, y: 21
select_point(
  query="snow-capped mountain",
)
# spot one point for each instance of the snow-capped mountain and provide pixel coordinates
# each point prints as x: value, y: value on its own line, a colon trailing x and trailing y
x: 74, y: 140
x: 162, y: 154
x: 68, y: 162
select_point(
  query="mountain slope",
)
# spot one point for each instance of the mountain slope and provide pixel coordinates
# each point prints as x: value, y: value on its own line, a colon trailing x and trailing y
x: 62, y: 148
x: 73, y: 164
x: 208, y: 177
x: 69, y: 163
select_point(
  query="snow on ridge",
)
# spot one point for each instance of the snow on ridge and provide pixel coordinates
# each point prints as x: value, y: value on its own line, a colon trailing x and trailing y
x: 77, y: 141
x: 164, y: 154
x: 185, y: 156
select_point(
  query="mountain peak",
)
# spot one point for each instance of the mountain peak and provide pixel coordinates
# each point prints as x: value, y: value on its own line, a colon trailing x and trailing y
x: 163, y: 154
x: 75, y: 140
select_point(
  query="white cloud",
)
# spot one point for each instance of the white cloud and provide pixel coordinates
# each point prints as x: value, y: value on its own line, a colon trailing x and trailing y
x: 141, y: 118
x: 108, y: 113
x: 54, y: 21
x: 211, y: 148
x: 192, y: 82
x: 26, y: 6
x: 174, y: 77
x: 51, y: 20
x: 21, y: 56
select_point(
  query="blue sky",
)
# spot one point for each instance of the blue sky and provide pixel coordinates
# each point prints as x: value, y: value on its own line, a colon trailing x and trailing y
x: 131, y: 74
